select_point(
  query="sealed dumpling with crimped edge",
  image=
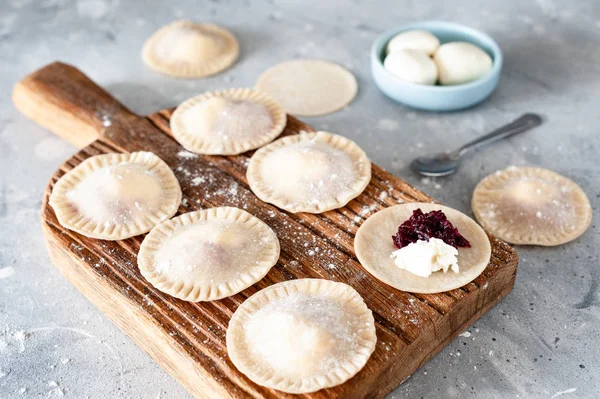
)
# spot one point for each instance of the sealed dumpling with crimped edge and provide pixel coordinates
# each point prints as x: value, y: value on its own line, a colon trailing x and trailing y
x: 209, y: 254
x: 301, y: 336
x: 116, y: 196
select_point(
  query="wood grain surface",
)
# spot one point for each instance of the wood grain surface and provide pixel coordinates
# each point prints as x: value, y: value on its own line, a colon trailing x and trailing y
x: 188, y: 339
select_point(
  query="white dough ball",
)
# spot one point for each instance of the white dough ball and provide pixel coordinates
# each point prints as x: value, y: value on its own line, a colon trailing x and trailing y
x: 414, y: 40
x: 461, y: 62
x: 412, y: 65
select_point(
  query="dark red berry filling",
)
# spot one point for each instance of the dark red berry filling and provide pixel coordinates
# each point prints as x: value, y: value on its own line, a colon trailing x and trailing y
x: 423, y: 226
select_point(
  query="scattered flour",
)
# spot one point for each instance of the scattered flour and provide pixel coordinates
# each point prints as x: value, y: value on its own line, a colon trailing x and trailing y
x: 465, y: 334
x: 388, y: 124
x: 196, y: 181
x: 6, y: 272
x: 187, y: 155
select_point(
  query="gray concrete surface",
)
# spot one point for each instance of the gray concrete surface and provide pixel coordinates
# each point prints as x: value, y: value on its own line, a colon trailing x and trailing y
x: 540, y: 342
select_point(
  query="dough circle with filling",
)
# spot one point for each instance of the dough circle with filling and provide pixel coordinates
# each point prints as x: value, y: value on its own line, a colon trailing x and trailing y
x: 309, y: 172
x: 302, y: 335
x: 209, y: 254
x: 227, y: 122
x: 309, y: 87
x: 116, y: 196
x: 373, y: 246
x: 531, y: 206
x: 189, y: 50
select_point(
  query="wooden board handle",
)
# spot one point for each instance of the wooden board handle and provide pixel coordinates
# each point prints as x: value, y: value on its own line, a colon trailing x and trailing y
x: 65, y: 101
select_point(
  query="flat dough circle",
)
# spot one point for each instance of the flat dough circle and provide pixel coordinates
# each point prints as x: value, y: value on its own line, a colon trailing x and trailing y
x: 188, y: 50
x: 531, y: 206
x: 227, y: 122
x: 309, y: 87
x: 310, y: 172
x: 209, y: 254
x: 116, y: 196
x: 302, y: 335
x: 373, y: 246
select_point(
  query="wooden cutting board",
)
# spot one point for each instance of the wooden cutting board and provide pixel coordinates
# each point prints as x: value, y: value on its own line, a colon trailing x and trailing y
x: 188, y: 339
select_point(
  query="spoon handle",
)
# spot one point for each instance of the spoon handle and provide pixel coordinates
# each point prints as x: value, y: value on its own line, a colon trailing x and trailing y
x: 522, y: 124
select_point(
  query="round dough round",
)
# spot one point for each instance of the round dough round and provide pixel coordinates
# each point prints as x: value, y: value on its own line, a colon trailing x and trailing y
x: 461, y: 62
x: 309, y: 87
x: 421, y: 40
x: 207, y: 255
x: 116, y: 196
x: 531, y: 206
x: 227, y: 122
x: 188, y: 50
x: 373, y: 246
x: 311, y: 172
x: 413, y: 66
x: 302, y: 335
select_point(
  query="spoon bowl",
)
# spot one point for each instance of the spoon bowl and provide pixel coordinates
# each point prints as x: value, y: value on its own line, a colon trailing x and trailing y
x: 446, y: 163
x: 441, y: 164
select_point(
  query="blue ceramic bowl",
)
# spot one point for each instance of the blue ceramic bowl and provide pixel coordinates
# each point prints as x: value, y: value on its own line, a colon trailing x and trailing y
x: 437, y: 98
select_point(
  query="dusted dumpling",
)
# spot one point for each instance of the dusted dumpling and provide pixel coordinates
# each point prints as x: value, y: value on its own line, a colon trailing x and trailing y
x: 420, y: 40
x: 186, y: 49
x: 461, y: 62
x: 301, y: 336
x: 310, y: 172
x: 531, y: 206
x: 227, y: 122
x: 207, y: 255
x: 413, y: 66
x: 116, y: 196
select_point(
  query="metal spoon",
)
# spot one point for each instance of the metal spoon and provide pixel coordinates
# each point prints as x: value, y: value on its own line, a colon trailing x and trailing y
x: 446, y: 163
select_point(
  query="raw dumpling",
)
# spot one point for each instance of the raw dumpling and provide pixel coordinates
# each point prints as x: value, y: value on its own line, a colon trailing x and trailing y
x: 461, y: 62
x: 531, y: 206
x: 310, y: 172
x: 420, y: 40
x: 207, y: 255
x: 189, y: 50
x: 413, y: 66
x: 116, y: 196
x: 227, y: 122
x: 302, y: 335
x: 373, y: 245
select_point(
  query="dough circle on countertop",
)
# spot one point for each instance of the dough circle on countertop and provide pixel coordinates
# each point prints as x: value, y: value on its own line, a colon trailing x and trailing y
x: 461, y: 62
x: 189, y: 50
x: 413, y: 66
x: 227, y: 122
x: 309, y: 172
x: 309, y: 87
x: 116, y: 196
x: 302, y: 335
x: 421, y: 40
x: 531, y: 206
x: 373, y: 245
x: 209, y: 254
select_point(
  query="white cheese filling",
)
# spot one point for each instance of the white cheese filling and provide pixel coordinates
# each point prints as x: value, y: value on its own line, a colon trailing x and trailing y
x: 425, y: 257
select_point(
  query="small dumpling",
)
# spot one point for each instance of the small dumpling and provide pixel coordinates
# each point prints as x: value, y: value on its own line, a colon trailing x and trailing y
x: 209, y: 254
x: 420, y: 40
x: 310, y: 172
x: 301, y: 336
x: 461, y: 62
x: 531, y: 206
x: 413, y: 66
x: 227, y: 122
x: 116, y: 196
x: 189, y: 50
